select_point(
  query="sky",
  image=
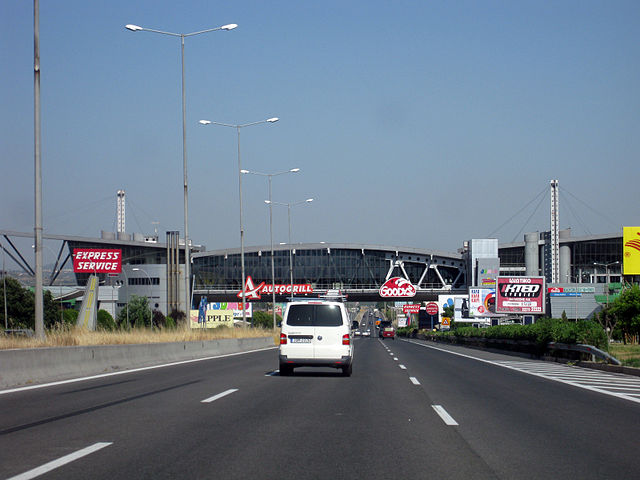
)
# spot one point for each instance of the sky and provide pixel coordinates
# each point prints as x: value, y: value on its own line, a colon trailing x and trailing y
x: 414, y: 123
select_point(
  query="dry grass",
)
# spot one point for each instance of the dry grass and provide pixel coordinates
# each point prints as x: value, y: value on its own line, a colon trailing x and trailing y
x: 628, y: 354
x: 76, y: 336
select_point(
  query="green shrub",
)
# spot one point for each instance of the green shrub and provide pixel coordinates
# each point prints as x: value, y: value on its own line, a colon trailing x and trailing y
x: 265, y: 319
x: 106, y: 321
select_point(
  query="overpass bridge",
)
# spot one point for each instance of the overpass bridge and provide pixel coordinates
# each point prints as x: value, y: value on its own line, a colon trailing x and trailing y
x: 358, y: 270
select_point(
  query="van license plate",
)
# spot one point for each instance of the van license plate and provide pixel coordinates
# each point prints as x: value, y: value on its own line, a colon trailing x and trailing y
x: 300, y: 340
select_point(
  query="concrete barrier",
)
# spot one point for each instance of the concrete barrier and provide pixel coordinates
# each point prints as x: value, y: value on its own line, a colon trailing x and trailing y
x: 39, y: 365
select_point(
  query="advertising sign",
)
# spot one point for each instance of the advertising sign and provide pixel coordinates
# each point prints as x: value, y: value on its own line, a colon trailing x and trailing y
x: 482, y: 302
x: 520, y: 295
x: 631, y: 250
x: 212, y: 315
x: 97, y: 260
x: 255, y: 292
x: 432, y: 308
x: 397, y: 287
x: 211, y: 319
x: 411, y: 308
x: 488, y: 270
x: 403, y: 322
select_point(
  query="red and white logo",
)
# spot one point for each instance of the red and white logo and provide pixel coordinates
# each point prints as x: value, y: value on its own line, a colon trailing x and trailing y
x: 253, y: 292
x: 411, y: 308
x: 397, y: 287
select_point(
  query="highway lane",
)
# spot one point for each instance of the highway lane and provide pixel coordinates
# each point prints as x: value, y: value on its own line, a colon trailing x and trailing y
x: 318, y: 424
x: 525, y: 426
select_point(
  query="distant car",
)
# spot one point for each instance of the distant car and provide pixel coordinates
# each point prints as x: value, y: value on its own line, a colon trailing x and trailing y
x: 367, y: 333
x: 357, y: 333
x: 388, y: 332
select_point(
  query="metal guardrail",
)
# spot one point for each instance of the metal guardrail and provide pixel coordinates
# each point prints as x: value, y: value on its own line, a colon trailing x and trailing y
x: 582, y: 348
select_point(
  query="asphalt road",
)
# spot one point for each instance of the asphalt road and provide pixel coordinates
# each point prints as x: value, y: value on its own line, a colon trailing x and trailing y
x: 408, y: 411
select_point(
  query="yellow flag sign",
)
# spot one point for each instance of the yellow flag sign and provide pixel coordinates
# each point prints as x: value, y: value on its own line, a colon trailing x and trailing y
x: 631, y: 250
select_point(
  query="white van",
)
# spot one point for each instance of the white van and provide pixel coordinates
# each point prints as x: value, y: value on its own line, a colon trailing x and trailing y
x: 316, y: 333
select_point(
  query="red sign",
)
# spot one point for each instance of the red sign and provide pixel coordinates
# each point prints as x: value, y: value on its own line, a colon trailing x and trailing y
x: 253, y: 292
x: 97, y: 260
x: 520, y: 295
x: 397, y: 287
x: 432, y: 308
x: 411, y: 308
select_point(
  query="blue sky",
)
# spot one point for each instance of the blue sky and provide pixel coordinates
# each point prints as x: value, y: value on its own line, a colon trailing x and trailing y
x: 414, y: 123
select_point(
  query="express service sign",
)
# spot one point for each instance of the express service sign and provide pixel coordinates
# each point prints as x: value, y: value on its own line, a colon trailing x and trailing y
x: 520, y: 295
x: 97, y: 260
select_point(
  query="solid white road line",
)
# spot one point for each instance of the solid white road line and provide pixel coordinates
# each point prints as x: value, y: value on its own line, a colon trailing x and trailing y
x: 47, y: 467
x: 220, y: 395
x: 414, y: 380
x: 448, y: 419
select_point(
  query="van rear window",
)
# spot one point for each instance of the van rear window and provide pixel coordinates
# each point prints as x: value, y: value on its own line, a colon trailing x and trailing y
x: 314, y: 316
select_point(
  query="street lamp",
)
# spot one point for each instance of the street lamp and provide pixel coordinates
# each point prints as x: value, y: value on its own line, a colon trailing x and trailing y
x: 606, y: 267
x: 238, y: 127
x: 289, y: 205
x: 150, y: 294
x: 273, y: 272
x: 187, y: 255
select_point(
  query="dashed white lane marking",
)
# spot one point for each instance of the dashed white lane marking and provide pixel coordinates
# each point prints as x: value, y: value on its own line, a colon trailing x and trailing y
x: 220, y: 395
x: 414, y: 380
x: 448, y: 419
x: 395, y: 358
x: 570, y: 375
x: 402, y: 367
x: 47, y: 467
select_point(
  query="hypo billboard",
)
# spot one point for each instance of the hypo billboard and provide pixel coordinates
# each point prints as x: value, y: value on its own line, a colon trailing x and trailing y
x: 482, y: 302
x: 97, y: 260
x: 631, y: 250
x: 520, y: 295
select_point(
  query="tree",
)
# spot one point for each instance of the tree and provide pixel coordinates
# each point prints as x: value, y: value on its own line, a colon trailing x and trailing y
x: 626, y: 309
x: 139, y: 313
x: 265, y: 319
x: 106, y: 321
x: 20, y: 305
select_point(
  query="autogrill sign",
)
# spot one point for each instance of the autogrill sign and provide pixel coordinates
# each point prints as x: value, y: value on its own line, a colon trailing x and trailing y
x: 397, y: 287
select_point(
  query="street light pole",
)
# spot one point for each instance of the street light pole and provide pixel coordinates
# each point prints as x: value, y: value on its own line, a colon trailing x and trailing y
x: 238, y: 127
x: 289, y: 205
x: 273, y: 274
x: 187, y: 254
x: 150, y: 294
x: 39, y: 291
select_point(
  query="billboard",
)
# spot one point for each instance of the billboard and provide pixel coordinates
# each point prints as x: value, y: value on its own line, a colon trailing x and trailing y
x: 520, y: 295
x: 213, y: 315
x: 488, y: 270
x: 631, y: 250
x: 482, y: 302
x: 97, y: 260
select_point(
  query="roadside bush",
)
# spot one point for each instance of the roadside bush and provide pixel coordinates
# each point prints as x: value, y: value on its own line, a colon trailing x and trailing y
x: 265, y: 319
x: 170, y: 323
x: 105, y: 321
x: 542, y: 332
x: 70, y: 316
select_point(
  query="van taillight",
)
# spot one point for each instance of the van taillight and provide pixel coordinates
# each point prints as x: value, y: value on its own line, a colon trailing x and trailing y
x: 345, y: 339
x: 283, y: 339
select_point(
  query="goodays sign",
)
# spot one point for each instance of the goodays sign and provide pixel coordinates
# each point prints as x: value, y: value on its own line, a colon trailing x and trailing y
x: 397, y: 287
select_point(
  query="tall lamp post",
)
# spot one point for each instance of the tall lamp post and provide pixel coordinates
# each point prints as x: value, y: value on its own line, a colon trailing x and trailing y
x: 238, y: 128
x: 289, y: 205
x: 150, y: 294
x: 606, y: 267
x: 273, y: 269
x: 187, y: 255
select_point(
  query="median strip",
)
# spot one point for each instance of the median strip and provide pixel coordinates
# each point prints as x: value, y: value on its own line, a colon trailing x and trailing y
x: 220, y: 395
x: 47, y: 467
